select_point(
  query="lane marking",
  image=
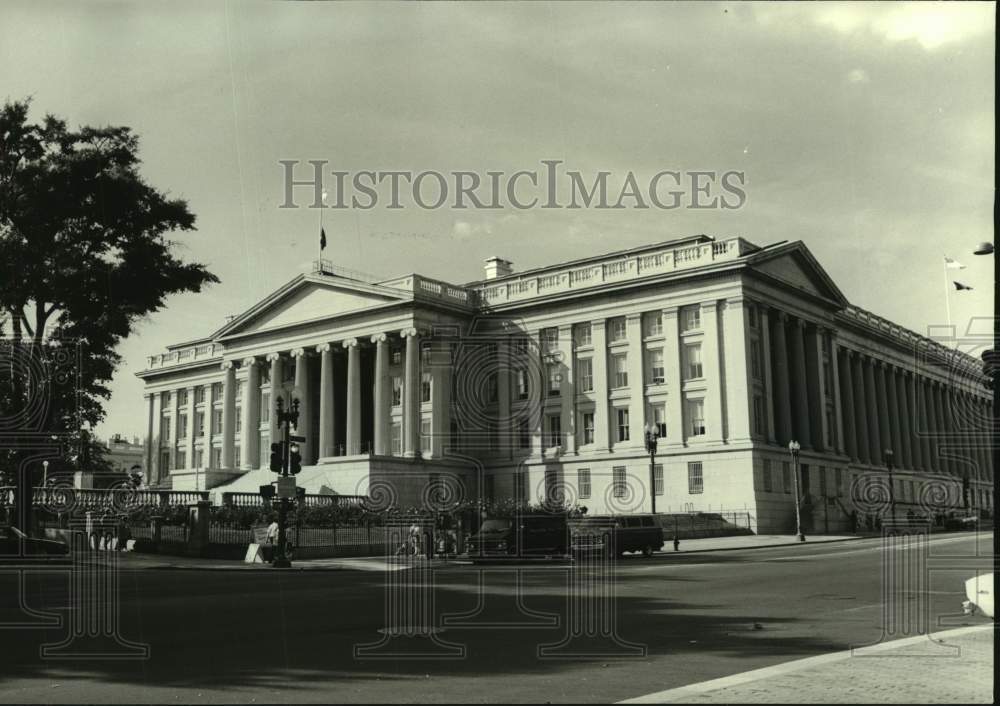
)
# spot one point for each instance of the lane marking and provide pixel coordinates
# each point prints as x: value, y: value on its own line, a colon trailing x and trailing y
x: 684, y: 693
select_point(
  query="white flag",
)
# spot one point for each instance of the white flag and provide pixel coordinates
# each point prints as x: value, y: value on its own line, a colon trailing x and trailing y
x: 953, y: 264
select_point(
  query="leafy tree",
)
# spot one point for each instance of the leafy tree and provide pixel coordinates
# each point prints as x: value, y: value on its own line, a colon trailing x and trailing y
x: 84, y: 256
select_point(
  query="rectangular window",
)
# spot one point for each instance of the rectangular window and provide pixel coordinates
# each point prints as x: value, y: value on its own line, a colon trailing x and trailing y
x: 555, y: 430
x: 425, y: 387
x: 660, y: 419
x: 216, y: 421
x: 165, y: 429
x: 397, y: 356
x: 653, y: 323
x: 658, y: 479
x: 619, y: 482
x: 581, y: 334
x: 181, y: 459
x: 265, y: 377
x: 622, y: 424
x: 585, y: 375
x: 692, y: 355
x: 521, y: 378
x: 199, y: 458
x: 588, y: 427
x: 616, y: 329
x: 199, y: 394
x: 264, y: 446
x: 164, y: 462
x: 425, y: 435
x: 755, y: 366
x: 786, y: 477
x: 182, y: 397
x: 696, y: 414
x: 237, y: 460
x: 523, y: 434
x: 216, y: 457
x: 265, y: 407
x: 656, y: 372
x: 768, y: 483
x: 550, y: 340
x: 397, y: 391
x: 182, y: 426
x: 583, y: 482
x: 396, y: 435
x: 554, y: 379
x: 239, y: 418
x: 691, y: 318
x: 696, y: 483
x: 216, y: 391
x: 619, y: 364
x: 239, y: 391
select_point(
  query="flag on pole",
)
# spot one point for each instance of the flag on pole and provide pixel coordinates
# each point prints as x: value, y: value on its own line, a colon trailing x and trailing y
x: 322, y: 239
x: 959, y: 286
x: 953, y: 264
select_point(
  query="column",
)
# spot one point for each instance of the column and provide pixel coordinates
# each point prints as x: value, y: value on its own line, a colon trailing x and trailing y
x: 861, y: 408
x: 326, y: 413
x: 152, y: 438
x: 636, y: 381
x: 304, y: 425
x: 507, y: 427
x: 712, y: 369
x: 174, y: 431
x: 886, y: 422
x: 898, y: 383
x: 782, y: 387
x: 837, y: 433
x: 411, y: 393
x: 765, y: 344
x: 206, y: 443
x: 738, y: 400
x: 934, y: 426
x: 440, y: 372
x: 189, y: 441
x: 908, y: 380
x: 800, y: 402
x: 250, y: 436
x: 675, y: 381
x: 923, y: 405
x: 941, y: 427
x: 381, y: 422
x: 228, y: 413
x: 354, y: 395
x: 567, y: 387
x: 816, y: 387
x: 871, y: 407
x: 846, y: 411
x: 538, y: 374
x: 277, y: 365
x: 602, y: 425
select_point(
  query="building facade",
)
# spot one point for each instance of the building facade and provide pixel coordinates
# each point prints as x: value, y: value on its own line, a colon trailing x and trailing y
x: 543, y: 384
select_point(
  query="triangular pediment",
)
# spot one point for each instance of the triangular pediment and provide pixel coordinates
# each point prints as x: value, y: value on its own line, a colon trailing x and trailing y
x: 308, y: 299
x: 793, y: 265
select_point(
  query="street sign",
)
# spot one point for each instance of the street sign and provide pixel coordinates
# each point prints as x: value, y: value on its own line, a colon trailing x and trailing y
x: 286, y: 487
x: 293, y: 437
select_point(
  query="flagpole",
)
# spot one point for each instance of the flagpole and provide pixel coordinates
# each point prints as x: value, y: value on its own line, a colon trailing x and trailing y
x: 319, y: 244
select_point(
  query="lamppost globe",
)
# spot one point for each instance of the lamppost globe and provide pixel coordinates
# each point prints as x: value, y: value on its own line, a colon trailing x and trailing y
x: 794, y: 446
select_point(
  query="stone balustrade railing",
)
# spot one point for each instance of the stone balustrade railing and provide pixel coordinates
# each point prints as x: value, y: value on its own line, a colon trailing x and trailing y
x: 190, y: 354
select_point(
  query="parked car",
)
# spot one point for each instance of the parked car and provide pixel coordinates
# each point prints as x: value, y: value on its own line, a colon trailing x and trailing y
x: 961, y: 523
x: 525, y: 536
x: 632, y: 533
x: 13, y: 541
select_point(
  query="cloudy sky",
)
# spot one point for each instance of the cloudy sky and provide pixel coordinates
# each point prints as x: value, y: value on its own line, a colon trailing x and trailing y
x: 864, y: 130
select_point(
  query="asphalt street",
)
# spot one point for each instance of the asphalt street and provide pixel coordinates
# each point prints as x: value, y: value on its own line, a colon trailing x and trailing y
x: 256, y: 636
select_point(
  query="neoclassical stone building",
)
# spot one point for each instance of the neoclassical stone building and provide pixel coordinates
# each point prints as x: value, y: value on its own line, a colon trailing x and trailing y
x: 544, y: 382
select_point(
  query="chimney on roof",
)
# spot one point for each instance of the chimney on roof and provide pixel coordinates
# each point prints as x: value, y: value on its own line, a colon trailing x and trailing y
x: 498, y: 267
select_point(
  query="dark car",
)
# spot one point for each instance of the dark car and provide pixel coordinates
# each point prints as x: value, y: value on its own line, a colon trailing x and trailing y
x: 526, y: 536
x: 13, y: 542
x: 630, y: 533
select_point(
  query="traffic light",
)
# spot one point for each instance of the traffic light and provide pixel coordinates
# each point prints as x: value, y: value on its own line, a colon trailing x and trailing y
x: 991, y: 366
x: 277, y: 456
x: 294, y: 460
x: 267, y: 491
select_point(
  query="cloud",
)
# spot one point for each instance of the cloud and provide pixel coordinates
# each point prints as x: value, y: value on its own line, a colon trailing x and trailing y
x: 858, y: 76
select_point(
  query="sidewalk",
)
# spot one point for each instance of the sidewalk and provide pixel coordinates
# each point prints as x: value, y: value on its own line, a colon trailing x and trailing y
x: 956, y: 667
x: 751, y: 541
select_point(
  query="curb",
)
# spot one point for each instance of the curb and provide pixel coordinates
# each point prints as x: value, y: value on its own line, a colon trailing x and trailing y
x: 682, y: 693
x: 762, y: 546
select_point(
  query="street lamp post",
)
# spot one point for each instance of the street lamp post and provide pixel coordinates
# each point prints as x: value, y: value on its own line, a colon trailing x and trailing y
x: 286, y: 420
x: 652, y: 434
x: 45, y: 473
x: 793, y: 449
x: 887, y: 454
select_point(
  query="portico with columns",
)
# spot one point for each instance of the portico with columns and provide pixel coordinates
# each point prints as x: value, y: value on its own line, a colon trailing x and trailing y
x: 523, y: 382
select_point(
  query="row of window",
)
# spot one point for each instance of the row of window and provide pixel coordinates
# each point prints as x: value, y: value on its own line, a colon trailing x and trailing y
x: 619, y: 482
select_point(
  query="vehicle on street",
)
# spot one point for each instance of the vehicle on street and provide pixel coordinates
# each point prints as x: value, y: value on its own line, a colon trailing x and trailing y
x: 524, y: 536
x: 16, y: 545
x: 631, y: 533
x: 979, y: 592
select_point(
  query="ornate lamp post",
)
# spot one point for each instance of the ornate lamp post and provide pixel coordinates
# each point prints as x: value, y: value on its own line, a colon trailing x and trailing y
x: 286, y: 420
x: 793, y: 449
x: 651, y: 435
x: 887, y: 455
